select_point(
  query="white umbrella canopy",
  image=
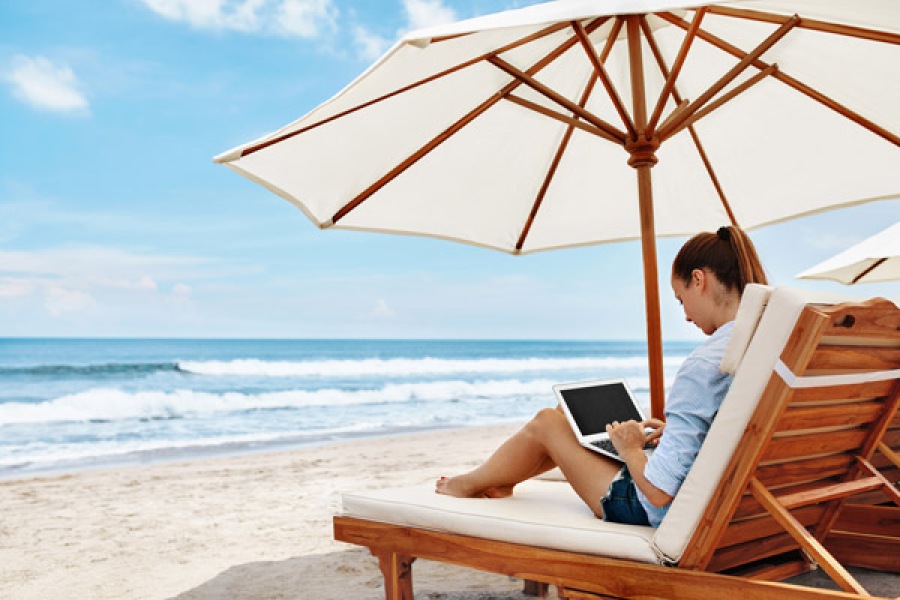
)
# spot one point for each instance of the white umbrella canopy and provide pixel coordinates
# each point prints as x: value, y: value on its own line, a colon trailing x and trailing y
x: 522, y: 131
x: 872, y: 260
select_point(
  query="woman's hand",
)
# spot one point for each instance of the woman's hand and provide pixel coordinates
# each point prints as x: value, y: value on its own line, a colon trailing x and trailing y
x: 627, y: 437
x: 657, y: 426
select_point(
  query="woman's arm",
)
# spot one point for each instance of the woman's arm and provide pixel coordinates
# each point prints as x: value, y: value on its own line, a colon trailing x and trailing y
x: 629, y: 439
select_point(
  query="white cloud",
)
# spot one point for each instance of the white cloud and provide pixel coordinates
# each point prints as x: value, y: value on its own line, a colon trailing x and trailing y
x: 419, y: 14
x: 45, y: 85
x: 15, y: 288
x: 381, y: 310
x: 306, y: 18
x: 295, y: 18
x: 77, y: 280
x: 369, y: 45
x: 60, y: 300
x: 145, y: 283
x: 427, y: 13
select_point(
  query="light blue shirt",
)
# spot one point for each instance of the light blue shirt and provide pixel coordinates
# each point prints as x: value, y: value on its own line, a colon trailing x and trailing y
x: 691, y: 405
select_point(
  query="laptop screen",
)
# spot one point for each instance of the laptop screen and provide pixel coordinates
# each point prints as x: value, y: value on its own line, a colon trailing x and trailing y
x: 595, y: 406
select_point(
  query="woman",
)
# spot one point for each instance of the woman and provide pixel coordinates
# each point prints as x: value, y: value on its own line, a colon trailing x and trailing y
x: 708, y: 277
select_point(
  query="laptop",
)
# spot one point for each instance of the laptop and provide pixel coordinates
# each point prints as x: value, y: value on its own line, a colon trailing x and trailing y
x: 591, y: 405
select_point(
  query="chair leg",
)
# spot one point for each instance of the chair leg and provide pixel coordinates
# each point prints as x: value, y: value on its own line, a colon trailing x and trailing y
x: 539, y: 589
x: 397, y: 571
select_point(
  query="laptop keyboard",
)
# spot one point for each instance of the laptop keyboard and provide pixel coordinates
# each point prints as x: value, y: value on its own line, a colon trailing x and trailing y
x: 606, y: 445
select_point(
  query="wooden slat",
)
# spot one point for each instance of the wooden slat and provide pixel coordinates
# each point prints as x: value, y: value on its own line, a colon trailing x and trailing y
x: 796, y: 472
x: 874, y: 498
x: 863, y: 391
x: 748, y: 507
x: 776, y: 570
x: 814, y: 445
x: 877, y: 318
x: 759, y: 549
x: 851, y: 358
x: 766, y: 526
x: 871, y: 520
x: 867, y: 551
x: 833, y: 415
x: 892, y: 438
x: 830, y: 492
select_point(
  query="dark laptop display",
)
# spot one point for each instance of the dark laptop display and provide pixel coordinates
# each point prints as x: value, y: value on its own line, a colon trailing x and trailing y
x: 591, y: 405
x: 598, y: 405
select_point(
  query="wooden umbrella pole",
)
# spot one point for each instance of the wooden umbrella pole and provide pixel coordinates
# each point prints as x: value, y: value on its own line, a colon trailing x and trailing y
x: 651, y: 294
x: 643, y: 157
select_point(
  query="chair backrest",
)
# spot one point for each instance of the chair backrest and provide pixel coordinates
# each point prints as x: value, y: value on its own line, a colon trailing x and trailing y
x: 830, y: 398
x: 765, y: 323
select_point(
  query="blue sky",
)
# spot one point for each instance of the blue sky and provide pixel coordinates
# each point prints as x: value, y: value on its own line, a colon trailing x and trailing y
x: 115, y: 222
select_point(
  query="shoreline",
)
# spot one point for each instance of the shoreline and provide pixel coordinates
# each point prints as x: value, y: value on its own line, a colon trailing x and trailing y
x: 224, y: 450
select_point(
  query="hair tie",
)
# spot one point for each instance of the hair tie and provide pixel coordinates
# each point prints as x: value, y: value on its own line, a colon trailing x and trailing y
x: 724, y: 234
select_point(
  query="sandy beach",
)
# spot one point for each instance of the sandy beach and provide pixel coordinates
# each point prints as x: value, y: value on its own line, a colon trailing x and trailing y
x: 253, y: 526
x: 243, y: 527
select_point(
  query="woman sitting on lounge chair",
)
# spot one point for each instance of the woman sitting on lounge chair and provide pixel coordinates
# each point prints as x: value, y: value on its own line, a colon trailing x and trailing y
x: 708, y: 277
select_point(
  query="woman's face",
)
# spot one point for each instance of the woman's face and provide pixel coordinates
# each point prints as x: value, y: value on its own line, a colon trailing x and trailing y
x: 695, y: 300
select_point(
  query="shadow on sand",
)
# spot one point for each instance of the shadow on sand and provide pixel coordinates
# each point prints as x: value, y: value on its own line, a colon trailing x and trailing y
x: 353, y: 575
x: 348, y: 575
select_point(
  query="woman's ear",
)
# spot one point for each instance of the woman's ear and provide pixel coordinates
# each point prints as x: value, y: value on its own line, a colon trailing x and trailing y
x: 698, y: 278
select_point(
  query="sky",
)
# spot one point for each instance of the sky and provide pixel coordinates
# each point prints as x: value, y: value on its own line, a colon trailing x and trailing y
x: 115, y: 222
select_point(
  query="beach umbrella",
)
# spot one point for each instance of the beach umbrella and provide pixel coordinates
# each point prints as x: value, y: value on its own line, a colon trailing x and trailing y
x: 874, y: 259
x: 579, y: 122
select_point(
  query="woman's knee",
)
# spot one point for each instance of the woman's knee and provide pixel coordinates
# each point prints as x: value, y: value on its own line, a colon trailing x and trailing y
x: 547, y: 421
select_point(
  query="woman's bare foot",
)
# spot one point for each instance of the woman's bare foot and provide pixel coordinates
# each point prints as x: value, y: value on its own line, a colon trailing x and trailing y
x: 460, y: 488
x: 457, y: 487
x: 500, y: 491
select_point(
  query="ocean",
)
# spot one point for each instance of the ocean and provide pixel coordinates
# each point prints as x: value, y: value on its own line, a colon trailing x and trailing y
x: 74, y: 404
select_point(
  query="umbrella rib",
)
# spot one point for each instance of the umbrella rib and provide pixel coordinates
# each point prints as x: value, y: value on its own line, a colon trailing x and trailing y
x: 558, y: 98
x: 453, y: 129
x: 567, y: 136
x: 674, y: 71
x: 597, y: 63
x: 571, y: 121
x: 728, y: 77
x: 691, y: 119
x: 512, y: 45
x: 554, y: 165
x: 792, y: 82
x: 812, y: 24
x: 682, y: 104
x: 871, y: 268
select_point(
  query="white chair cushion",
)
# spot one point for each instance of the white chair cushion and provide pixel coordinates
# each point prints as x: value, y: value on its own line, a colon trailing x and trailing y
x: 542, y: 513
x: 753, y: 303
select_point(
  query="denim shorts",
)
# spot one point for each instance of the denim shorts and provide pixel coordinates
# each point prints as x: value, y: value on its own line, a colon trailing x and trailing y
x: 621, y: 503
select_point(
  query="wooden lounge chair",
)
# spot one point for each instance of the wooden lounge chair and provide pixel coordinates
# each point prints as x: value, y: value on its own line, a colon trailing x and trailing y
x: 798, y: 469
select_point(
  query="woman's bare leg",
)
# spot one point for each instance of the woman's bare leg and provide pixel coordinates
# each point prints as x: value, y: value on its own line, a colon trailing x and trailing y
x: 546, y: 441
